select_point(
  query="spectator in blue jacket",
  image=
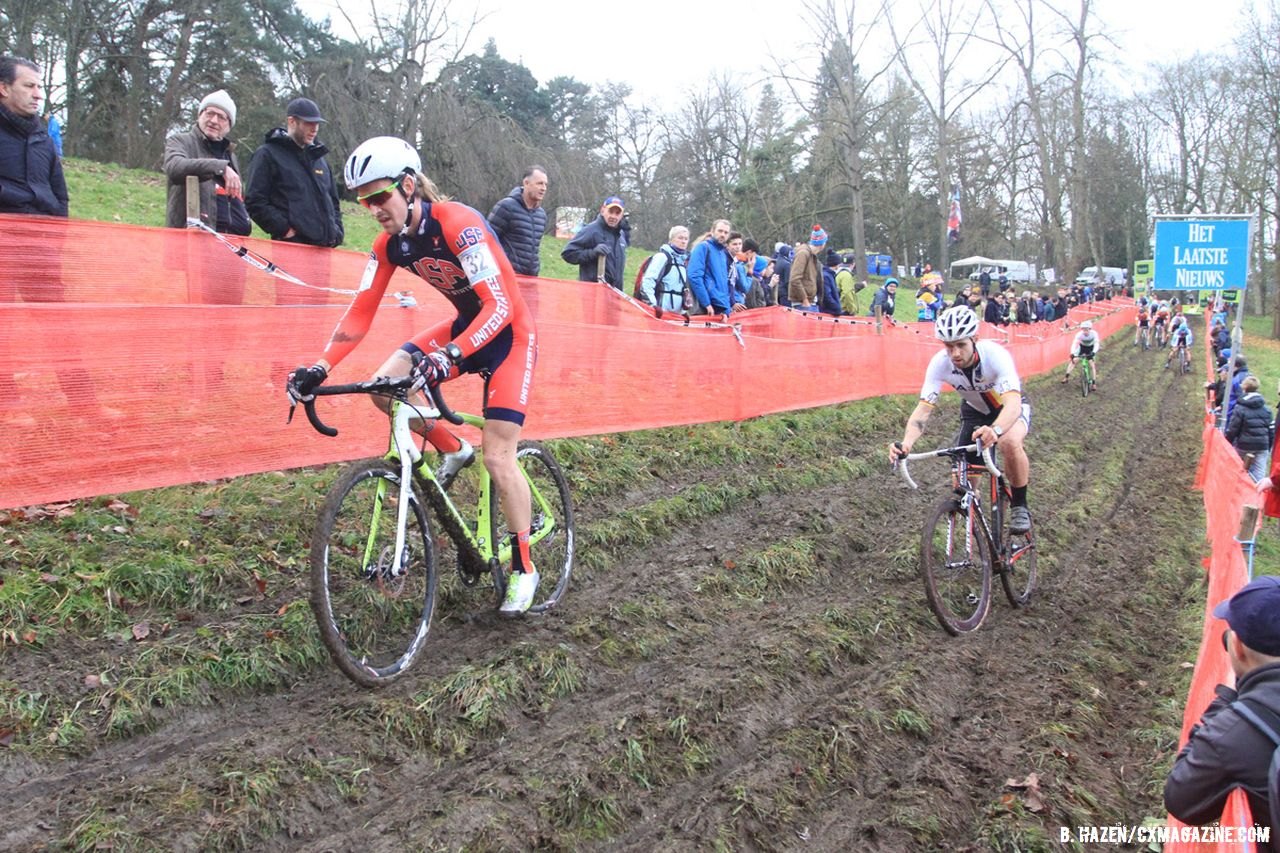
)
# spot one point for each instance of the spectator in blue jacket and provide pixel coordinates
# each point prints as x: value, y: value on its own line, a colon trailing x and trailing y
x: 55, y: 131
x: 884, y: 298
x: 520, y: 220
x: 607, y: 236
x: 31, y: 179
x: 709, y: 273
x: 829, y: 299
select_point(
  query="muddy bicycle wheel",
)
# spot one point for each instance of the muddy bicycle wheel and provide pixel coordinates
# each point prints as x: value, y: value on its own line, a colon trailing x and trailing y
x: 373, y: 615
x: 955, y: 559
x: 1086, y: 379
x: 1018, y: 563
x: 551, y: 529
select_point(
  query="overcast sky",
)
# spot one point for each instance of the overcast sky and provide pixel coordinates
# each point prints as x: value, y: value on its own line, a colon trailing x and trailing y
x: 665, y: 48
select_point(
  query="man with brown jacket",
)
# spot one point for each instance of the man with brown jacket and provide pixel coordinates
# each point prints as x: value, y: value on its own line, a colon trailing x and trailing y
x: 806, y: 272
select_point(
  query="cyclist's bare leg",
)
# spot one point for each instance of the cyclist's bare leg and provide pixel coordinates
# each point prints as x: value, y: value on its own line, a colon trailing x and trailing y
x: 500, y: 440
x: 1017, y: 468
x: 398, y: 364
x: 1071, y: 365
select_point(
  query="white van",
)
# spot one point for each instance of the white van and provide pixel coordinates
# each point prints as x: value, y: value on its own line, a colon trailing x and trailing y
x: 1019, y: 271
x: 1108, y: 275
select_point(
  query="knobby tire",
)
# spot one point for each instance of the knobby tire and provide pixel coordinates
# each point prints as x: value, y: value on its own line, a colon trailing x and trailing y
x: 553, y: 553
x: 374, y: 625
x: 959, y: 589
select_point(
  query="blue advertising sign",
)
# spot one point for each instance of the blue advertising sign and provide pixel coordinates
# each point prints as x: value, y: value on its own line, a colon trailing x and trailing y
x: 1201, y: 254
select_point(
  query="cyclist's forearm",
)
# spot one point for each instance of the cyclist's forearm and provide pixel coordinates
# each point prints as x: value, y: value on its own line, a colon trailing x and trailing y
x: 915, y: 424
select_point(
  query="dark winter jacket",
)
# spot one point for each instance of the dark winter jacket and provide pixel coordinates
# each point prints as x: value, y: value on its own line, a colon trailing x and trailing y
x: 519, y: 230
x: 193, y: 153
x: 829, y: 300
x: 993, y: 313
x: 1249, y: 429
x: 31, y: 179
x: 1224, y: 752
x: 596, y: 239
x: 292, y: 187
x: 885, y: 300
x: 782, y: 267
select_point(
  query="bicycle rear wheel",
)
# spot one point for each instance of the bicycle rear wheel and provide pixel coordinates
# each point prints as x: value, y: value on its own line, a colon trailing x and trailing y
x: 955, y: 558
x: 551, y: 531
x: 373, y: 622
x: 1018, y: 562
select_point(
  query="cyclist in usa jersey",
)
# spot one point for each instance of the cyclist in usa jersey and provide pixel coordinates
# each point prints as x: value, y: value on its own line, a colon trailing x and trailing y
x: 993, y: 410
x: 451, y: 247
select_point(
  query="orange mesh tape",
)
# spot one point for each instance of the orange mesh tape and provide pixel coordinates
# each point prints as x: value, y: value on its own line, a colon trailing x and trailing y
x: 135, y: 357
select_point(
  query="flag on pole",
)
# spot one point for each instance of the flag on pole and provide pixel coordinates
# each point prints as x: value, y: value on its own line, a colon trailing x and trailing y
x: 953, y: 221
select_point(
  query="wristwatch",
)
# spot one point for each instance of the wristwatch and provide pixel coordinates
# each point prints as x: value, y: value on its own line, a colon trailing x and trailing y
x: 453, y: 351
x: 997, y: 430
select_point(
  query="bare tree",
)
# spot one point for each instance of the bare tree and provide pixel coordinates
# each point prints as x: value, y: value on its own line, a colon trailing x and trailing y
x: 929, y: 50
x: 838, y: 101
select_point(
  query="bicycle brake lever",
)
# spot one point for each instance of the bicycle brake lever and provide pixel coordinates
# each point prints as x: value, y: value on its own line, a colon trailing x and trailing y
x: 293, y: 404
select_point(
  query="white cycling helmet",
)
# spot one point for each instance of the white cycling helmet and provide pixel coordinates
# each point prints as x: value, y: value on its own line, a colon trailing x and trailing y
x: 956, y: 323
x: 1086, y: 326
x: 380, y: 157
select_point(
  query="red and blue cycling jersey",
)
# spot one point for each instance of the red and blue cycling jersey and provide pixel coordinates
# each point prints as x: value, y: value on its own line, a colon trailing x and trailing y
x: 453, y: 249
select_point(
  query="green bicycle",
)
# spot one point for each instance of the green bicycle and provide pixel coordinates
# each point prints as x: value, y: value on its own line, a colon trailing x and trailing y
x: 1087, y: 379
x: 375, y: 557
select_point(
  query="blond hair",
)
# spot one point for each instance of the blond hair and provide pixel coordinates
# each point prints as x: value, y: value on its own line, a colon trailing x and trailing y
x: 427, y: 189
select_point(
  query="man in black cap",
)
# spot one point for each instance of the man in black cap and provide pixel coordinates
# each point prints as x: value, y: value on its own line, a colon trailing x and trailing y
x: 1226, y: 750
x: 291, y: 194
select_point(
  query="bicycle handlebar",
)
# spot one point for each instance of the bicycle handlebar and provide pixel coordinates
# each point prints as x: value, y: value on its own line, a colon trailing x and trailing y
x: 977, y: 447
x: 398, y: 388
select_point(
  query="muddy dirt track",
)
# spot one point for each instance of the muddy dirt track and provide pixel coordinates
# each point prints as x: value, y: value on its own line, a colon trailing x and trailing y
x: 763, y: 676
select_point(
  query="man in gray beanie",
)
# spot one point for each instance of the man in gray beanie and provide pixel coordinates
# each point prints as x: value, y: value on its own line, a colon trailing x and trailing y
x: 206, y: 152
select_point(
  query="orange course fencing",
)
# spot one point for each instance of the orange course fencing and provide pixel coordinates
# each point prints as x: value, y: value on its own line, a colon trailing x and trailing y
x: 1227, y: 490
x: 136, y: 357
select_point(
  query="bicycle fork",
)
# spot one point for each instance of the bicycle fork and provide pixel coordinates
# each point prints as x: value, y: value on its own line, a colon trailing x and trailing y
x: 408, y: 454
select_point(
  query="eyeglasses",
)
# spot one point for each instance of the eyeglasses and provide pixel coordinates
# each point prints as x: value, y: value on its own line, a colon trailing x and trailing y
x: 220, y: 116
x: 380, y: 197
x: 1225, y: 632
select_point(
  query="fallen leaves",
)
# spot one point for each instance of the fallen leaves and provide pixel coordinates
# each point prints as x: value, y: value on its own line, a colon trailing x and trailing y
x: 1030, y: 788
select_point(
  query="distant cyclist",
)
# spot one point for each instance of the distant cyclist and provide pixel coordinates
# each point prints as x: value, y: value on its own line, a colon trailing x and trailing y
x: 1160, y: 323
x: 993, y: 411
x: 1179, y: 337
x: 451, y: 247
x: 1143, y: 326
x: 1086, y: 344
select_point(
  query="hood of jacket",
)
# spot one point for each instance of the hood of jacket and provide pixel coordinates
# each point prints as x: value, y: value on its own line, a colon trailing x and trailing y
x: 1253, y: 400
x: 280, y: 136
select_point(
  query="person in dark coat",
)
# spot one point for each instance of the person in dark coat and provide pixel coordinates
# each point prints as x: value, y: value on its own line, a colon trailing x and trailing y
x: 31, y: 179
x: 994, y: 312
x: 1225, y: 751
x: 291, y: 192
x: 782, y: 254
x: 1251, y: 429
x: 605, y: 237
x: 520, y: 220
x: 885, y: 298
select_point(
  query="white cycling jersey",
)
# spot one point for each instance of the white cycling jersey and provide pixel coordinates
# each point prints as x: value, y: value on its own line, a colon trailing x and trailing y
x: 992, y: 375
x: 1087, y: 342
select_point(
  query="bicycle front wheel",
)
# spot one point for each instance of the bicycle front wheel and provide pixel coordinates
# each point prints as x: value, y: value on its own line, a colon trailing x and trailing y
x: 1086, y: 378
x: 955, y: 558
x: 374, y: 610
x: 551, y: 532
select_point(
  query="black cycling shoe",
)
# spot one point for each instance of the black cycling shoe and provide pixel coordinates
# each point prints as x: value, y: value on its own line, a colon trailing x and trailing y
x: 1019, y: 520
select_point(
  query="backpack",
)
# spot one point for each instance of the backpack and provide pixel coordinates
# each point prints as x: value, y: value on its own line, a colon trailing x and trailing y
x: 659, y: 290
x: 1272, y: 731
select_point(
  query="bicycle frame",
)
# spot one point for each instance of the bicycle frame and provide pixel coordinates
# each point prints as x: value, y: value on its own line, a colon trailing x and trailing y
x: 403, y: 448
